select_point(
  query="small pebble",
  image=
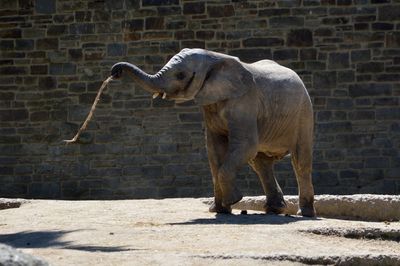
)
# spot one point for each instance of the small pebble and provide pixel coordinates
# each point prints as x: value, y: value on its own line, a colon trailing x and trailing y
x: 243, y: 212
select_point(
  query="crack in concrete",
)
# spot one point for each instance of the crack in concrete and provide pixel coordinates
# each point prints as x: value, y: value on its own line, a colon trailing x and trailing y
x: 11, y: 203
x: 315, y: 260
x: 357, y: 233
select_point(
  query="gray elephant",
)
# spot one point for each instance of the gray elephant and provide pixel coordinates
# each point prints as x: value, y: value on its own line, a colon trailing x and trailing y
x: 254, y: 113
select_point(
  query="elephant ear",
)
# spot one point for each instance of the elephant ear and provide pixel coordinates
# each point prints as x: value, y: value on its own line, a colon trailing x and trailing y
x: 226, y: 79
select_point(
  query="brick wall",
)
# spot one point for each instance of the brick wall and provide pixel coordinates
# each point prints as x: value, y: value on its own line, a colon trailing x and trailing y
x: 54, y: 55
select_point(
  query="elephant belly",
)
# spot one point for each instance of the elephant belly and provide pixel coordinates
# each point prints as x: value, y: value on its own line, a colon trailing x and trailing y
x: 277, y: 143
x: 274, y: 152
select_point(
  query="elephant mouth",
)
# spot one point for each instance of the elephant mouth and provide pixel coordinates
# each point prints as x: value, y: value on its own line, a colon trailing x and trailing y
x: 163, y: 95
x: 178, y: 94
x: 180, y: 99
x: 172, y: 97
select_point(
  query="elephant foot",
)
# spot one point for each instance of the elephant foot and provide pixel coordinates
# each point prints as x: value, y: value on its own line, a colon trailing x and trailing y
x: 218, y: 208
x: 232, y: 198
x: 307, y: 211
x: 276, y: 205
x: 306, y: 206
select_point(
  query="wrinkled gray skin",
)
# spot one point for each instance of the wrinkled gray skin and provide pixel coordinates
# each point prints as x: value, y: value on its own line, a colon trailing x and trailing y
x: 254, y: 113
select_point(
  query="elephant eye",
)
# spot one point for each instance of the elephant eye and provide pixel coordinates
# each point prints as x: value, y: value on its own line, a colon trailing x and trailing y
x: 180, y: 75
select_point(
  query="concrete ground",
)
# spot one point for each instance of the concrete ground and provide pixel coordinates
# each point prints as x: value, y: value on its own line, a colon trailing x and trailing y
x: 183, y: 232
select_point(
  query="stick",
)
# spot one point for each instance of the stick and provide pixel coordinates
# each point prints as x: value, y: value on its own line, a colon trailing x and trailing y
x: 96, y: 100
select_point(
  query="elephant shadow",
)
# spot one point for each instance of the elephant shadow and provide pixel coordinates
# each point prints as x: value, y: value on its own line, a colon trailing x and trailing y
x: 248, y: 219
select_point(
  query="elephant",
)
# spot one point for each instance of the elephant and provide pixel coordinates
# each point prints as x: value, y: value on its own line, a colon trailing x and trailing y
x: 255, y: 113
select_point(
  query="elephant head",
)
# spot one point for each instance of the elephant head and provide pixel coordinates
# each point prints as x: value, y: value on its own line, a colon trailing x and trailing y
x: 193, y: 74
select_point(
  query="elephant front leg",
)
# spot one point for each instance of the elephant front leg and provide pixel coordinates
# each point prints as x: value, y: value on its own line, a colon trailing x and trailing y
x: 226, y: 181
x: 243, y: 143
x: 217, y: 147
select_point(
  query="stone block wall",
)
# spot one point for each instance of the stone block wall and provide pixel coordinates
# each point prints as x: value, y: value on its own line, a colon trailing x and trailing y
x: 54, y: 54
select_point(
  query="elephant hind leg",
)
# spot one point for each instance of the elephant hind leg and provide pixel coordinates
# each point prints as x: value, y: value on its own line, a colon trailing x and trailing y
x: 218, y: 208
x: 302, y: 165
x: 263, y: 166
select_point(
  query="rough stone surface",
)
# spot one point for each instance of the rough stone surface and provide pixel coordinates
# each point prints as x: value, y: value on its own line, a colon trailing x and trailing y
x: 54, y: 54
x: 11, y: 257
x: 366, y: 207
x: 44, y: 6
x: 11, y: 203
x: 183, y: 232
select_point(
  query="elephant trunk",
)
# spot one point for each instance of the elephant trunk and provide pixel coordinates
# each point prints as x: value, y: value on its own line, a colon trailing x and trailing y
x: 151, y: 83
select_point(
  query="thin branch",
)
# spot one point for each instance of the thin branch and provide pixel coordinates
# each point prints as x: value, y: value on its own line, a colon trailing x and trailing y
x: 83, y: 127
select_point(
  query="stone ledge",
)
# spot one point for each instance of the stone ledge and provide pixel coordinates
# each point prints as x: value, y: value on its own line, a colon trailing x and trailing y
x: 367, y: 207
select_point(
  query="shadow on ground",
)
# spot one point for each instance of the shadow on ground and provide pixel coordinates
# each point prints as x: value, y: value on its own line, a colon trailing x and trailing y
x: 247, y: 219
x: 51, y: 239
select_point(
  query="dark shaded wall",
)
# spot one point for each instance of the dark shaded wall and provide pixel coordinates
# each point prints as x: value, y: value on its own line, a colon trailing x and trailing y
x: 55, y: 54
